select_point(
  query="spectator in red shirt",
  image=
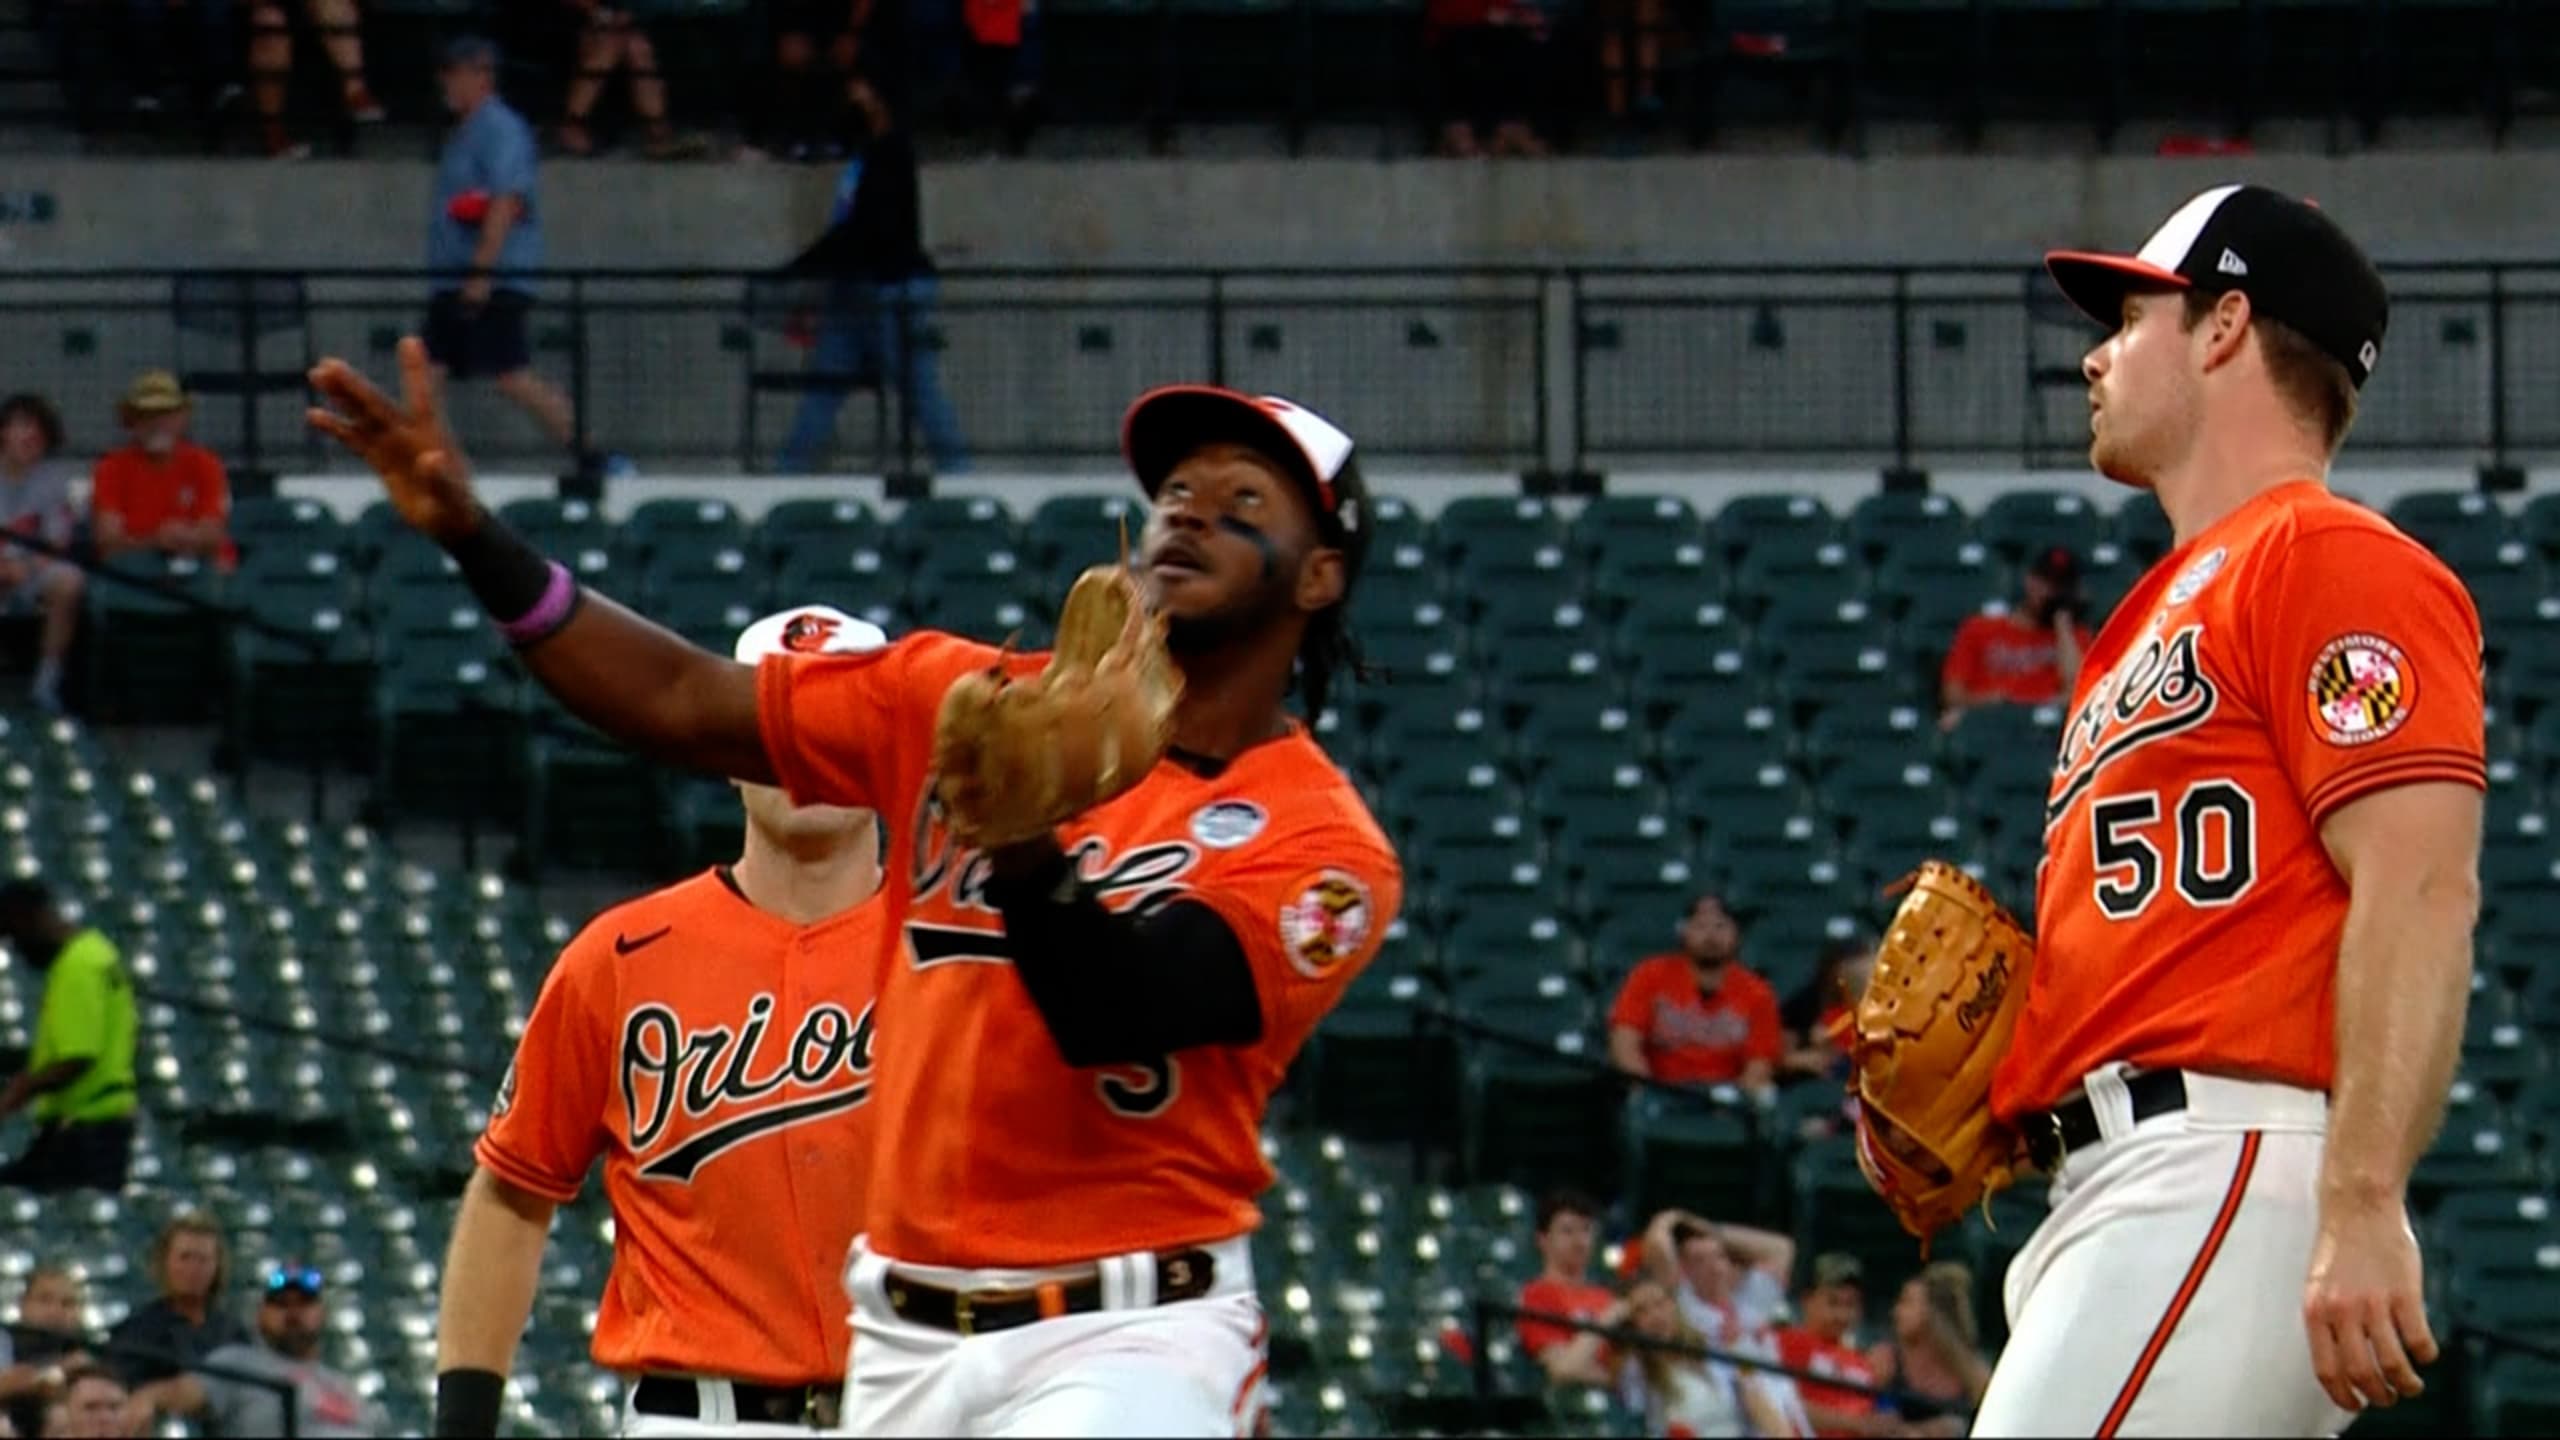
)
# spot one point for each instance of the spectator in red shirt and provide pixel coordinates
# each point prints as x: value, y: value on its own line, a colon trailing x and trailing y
x: 161, y: 491
x: 1824, y: 1345
x: 1694, y: 1015
x: 2029, y: 655
x: 1564, y: 1287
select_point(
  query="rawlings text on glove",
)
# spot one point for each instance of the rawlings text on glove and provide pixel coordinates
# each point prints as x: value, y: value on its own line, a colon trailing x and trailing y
x: 1950, y: 979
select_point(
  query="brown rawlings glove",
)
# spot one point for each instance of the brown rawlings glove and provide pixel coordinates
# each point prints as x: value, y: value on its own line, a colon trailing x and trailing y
x: 1016, y: 758
x: 1950, y: 979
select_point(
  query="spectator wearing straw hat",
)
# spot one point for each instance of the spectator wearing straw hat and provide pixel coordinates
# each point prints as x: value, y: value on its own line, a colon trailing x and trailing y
x: 161, y: 491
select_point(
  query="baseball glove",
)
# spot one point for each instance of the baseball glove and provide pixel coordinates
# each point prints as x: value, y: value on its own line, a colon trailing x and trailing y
x: 1016, y: 758
x: 1950, y: 979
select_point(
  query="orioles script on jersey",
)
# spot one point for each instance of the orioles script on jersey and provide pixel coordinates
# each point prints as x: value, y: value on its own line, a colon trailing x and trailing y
x: 662, y: 1061
x: 2160, y: 690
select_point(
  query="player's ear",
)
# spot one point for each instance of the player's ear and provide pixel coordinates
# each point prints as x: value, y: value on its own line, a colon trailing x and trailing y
x: 2226, y: 329
x: 1322, y: 579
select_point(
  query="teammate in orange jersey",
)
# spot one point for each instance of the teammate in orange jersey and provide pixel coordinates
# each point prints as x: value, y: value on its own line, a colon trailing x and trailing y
x: 1084, y: 1030
x: 712, y: 1042
x: 2254, y: 917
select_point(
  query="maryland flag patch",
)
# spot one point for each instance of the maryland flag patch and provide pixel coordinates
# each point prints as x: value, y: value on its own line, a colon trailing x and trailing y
x: 2362, y: 689
x: 1326, y: 921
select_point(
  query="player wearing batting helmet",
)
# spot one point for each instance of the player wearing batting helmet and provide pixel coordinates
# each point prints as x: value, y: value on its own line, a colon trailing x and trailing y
x: 712, y: 1043
x: 2254, y: 921
x: 1093, y: 1020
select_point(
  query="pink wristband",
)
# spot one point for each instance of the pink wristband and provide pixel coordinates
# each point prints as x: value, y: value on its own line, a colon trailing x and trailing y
x: 547, y: 614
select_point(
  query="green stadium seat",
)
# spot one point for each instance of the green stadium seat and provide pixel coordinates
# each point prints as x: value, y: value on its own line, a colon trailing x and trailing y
x: 833, y: 525
x: 684, y: 560
x: 1537, y: 1122
x: 1611, y: 522
x: 2515, y: 1394
x: 855, y: 579
x: 2474, y: 1150
x: 1822, y: 578
x: 937, y: 523
x: 693, y: 522
x: 292, y: 697
x: 708, y: 610
x: 1903, y: 733
x: 1373, y: 1075
x: 1835, y: 1209
x: 445, y: 723
x: 1687, y: 1152
x: 559, y: 527
x: 1067, y: 533
x: 1791, y: 522
x: 1526, y: 601
x: 1594, y: 719
x: 153, y: 658
x: 1473, y: 530
x: 2509, y: 595
x: 1927, y: 565
x: 1890, y: 523
x: 2435, y: 517
x: 2141, y: 528
x: 2539, y: 524
x: 2022, y: 523
x: 1665, y: 561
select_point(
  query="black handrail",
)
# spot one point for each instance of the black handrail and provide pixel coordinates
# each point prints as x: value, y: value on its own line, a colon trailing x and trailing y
x: 1487, y: 1310
x: 286, y: 1391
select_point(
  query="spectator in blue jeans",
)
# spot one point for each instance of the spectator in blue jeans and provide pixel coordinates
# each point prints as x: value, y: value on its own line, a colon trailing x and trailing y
x: 880, y: 288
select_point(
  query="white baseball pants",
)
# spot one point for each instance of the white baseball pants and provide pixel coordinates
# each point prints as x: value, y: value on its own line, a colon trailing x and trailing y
x: 718, y: 1417
x: 2163, y: 1295
x: 1192, y: 1368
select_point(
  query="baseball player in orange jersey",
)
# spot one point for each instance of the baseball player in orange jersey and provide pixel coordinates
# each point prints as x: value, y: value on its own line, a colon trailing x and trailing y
x: 1084, y: 1028
x: 2254, y: 916
x: 712, y: 1041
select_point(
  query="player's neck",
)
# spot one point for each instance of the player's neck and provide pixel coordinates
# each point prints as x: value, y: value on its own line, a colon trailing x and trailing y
x: 1231, y: 702
x: 2219, y: 478
x: 805, y: 888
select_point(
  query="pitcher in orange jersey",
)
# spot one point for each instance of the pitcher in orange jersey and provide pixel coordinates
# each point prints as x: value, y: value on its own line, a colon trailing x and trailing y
x: 712, y: 1043
x: 2255, y: 911
x: 1082, y: 1032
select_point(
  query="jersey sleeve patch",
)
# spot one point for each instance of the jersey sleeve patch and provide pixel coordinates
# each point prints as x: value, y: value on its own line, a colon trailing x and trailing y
x: 1326, y: 920
x: 2362, y: 689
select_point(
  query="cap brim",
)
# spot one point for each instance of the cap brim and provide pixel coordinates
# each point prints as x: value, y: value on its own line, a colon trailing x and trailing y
x: 2097, y: 283
x: 1166, y: 425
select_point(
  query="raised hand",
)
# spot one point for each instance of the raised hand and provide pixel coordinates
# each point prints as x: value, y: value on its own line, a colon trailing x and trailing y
x: 406, y: 442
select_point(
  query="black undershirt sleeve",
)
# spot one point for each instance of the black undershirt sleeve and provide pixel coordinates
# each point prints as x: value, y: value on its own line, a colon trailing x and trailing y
x: 1117, y: 989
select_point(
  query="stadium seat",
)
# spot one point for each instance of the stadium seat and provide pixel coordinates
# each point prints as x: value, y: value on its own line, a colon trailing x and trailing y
x: 792, y: 526
x: 1763, y: 522
x: 2445, y: 520
x: 2023, y: 523
x: 694, y: 523
x: 154, y: 658
x: 2141, y: 528
x: 1613, y: 522
x: 937, y: 524
x: 1373, y: 1074
x: 1683, y: 1151
x: 1890, y: 523
x: 1537, y: 1121
x: 1067, y: 533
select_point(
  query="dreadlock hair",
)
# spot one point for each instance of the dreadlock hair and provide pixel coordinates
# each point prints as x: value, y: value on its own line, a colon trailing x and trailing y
x: 1326, y: 650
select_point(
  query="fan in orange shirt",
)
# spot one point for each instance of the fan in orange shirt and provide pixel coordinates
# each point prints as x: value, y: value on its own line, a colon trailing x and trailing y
x: 2253, y: 937
x: 1695, y: 1016
x: 162, y: 491
x: 712, y: 1043
x: 1088, y: 1026
x: 2027, y: 655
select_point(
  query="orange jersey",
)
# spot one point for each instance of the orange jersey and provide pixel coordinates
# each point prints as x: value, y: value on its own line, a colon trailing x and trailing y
x: 1691, y: 1037
x: 1007, y: 1156
x: 2297, y: 654
x: 718, y: 1058
x: 145, y: 494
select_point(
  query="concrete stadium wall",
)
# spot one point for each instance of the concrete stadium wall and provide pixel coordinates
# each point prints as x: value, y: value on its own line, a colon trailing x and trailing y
x: 1710, y: 209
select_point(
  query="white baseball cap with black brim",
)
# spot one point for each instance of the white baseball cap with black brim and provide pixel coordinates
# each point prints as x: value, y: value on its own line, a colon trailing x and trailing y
x: 2290, y: 259
x: 1168, y: 424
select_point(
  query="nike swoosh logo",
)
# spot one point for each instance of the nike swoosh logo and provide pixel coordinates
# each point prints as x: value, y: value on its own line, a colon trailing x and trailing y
x: 624, y: 944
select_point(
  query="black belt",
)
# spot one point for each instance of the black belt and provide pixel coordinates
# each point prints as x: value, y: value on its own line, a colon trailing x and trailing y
x: 1180, y: 1275
x: 681, y: 1397
x: 2055, y: 1133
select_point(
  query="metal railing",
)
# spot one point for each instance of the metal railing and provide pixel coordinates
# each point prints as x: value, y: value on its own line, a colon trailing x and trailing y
x: 117, y: 1355
x: 1552, y: 370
